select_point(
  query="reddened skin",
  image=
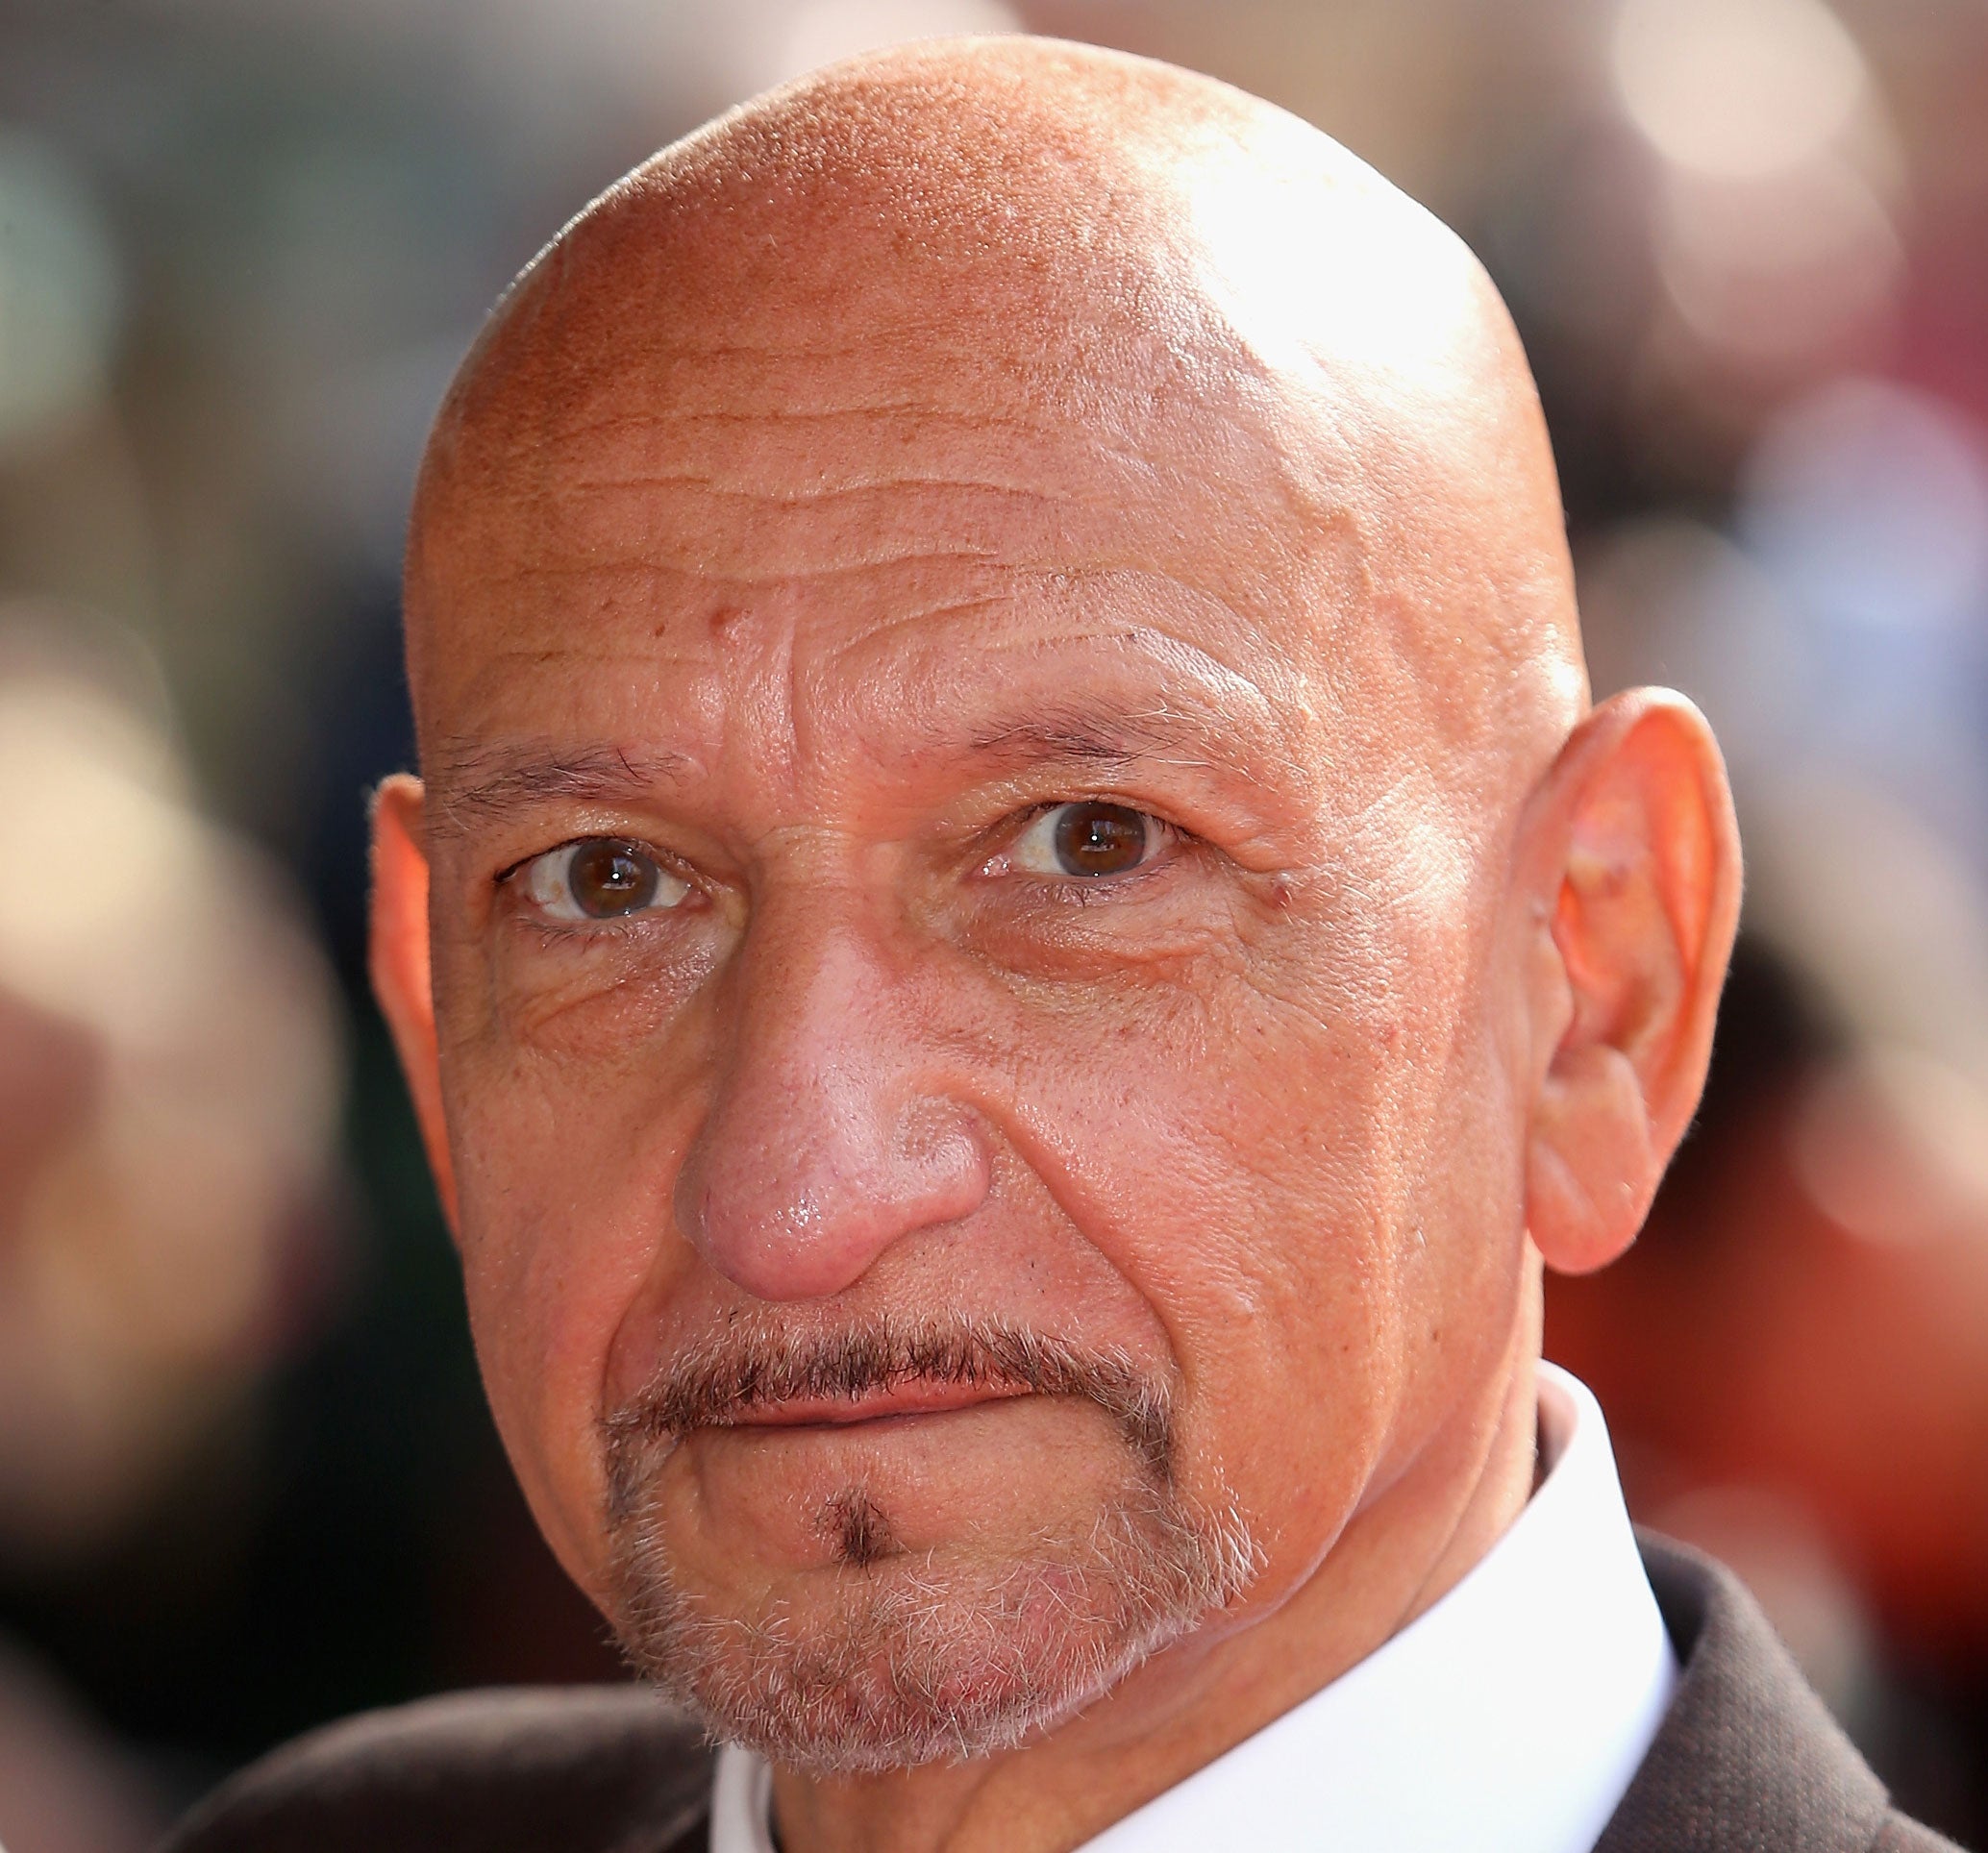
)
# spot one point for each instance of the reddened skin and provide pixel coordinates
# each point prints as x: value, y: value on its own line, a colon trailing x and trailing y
x: 398, y: 961
x: 1629, y: 874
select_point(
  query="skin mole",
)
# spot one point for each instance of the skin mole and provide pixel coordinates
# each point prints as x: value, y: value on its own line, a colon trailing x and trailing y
x: 858, y: 1529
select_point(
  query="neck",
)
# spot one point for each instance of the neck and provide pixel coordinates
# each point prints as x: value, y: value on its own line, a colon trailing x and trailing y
x: 1403, y: 1551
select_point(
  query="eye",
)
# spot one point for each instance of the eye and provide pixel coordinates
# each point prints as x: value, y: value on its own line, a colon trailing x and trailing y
x: 600, y: 877
x: 1087, y: 839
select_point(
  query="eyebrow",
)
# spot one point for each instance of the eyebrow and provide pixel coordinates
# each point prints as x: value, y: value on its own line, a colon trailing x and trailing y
x: 474, y: 788
x: 1075, y: 732
x: 1194, y: 730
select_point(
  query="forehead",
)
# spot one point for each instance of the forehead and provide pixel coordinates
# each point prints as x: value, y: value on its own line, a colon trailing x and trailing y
x: 962, y: 476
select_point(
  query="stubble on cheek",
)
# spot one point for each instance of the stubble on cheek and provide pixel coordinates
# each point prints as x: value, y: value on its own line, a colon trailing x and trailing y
x: 882, y: 1656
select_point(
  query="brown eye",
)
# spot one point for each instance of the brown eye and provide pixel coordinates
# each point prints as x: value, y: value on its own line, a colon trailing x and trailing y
x: 601, y: 877
x: 609, y: 878
x: 1086, y: 839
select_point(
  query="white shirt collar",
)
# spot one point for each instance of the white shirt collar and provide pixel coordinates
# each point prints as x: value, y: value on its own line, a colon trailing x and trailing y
x: 1509, y: 1717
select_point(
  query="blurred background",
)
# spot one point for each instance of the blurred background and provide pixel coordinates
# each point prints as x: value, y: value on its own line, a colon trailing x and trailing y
x: 247, y: 1480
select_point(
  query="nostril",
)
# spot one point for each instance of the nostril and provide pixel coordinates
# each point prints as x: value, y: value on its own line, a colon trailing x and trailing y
x: 941, y: 1162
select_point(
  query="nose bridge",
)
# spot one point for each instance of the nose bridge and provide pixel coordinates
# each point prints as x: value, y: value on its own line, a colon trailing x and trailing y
x: 830, y: 1134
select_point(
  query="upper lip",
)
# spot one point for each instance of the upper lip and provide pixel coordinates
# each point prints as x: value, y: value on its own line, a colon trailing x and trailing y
x: 912, y: 1399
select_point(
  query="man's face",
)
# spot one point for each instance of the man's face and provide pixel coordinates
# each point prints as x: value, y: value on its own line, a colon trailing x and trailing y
x: 961, y: 1004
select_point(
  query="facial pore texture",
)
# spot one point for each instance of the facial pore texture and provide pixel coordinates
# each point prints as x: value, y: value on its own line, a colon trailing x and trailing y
x: 974, y: 367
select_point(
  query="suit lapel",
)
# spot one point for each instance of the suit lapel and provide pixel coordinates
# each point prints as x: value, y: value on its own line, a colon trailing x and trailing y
x: 1748, y: 1758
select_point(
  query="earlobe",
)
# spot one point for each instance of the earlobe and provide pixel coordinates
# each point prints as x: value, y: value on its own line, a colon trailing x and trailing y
x: 1633, y: 876
x: 399, y: 963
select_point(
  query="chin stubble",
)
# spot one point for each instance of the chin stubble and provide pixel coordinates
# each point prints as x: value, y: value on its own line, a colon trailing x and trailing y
x: 919, y: 1656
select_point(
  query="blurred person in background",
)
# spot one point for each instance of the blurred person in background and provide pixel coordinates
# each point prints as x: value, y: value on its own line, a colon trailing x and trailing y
x: 169, y: 1069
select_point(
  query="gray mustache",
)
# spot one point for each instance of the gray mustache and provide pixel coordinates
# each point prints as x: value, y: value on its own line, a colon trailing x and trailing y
x: 746, y: 1369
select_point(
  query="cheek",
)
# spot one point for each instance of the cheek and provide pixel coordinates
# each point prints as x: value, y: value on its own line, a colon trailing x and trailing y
x: 565, y: 1174
x: 1227, y: 1145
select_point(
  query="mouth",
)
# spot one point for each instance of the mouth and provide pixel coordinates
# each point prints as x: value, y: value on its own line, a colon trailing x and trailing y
x: 893, y: 1403
x: 872, y: 1377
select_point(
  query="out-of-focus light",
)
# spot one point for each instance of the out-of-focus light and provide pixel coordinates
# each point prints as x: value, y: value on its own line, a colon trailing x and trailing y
x: 1883, y: 909
x: 1779, y: 270
x: 76, y: 770
x: 1776, y: 254
x: 1892, y: 1146
x: 1868, y: 502
x: 1665, y: 600
x: 147, y: 1236
x: 1737, y: 89
x: 60, y: 292
x: 823, y: 31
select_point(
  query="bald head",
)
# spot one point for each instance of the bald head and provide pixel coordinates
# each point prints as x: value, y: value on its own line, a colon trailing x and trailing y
x: 1150, y: 324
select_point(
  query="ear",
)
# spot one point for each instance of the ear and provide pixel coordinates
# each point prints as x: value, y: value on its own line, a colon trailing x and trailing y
x: 398, y: 960
x: 1630, y: 860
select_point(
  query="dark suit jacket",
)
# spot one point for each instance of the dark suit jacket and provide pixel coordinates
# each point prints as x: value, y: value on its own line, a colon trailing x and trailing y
x: 1746, y: 1761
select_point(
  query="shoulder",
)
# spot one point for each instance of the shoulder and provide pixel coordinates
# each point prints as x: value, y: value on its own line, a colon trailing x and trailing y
x: 1748, y: 1756
x: 580, y: 1770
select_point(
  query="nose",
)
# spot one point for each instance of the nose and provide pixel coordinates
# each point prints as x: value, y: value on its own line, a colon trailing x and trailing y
x: 829, y: 1135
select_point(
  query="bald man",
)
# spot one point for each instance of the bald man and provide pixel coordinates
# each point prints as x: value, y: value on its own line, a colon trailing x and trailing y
x: 1016, y: 945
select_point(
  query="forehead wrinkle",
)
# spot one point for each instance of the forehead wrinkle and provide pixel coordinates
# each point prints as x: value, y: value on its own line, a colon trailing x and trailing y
x: 1233, y: 666
x: 1135, y: 631
x: 976, y: 497
x: 767, y: 536
x: 800, y: 459
x: 1022, y: 205
x: 916, y: 411
x: 604, y: 486
x: 911, y: 413
x: 1237, y: 661
x: 647, y: 567
x: 1150, y: 689
x: 997, y: 575
x: 913, y: 440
